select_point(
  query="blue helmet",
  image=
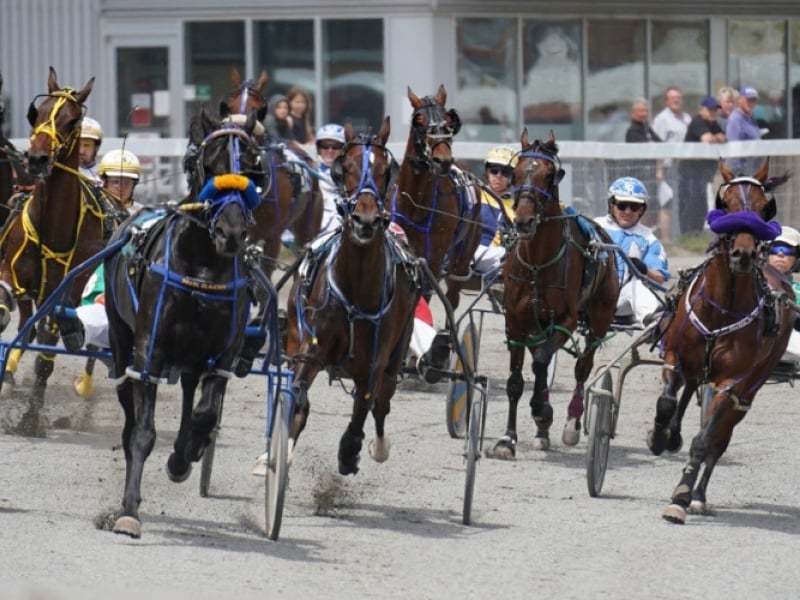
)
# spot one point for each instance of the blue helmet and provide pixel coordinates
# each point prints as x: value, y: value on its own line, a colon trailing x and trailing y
x: 628, y: 189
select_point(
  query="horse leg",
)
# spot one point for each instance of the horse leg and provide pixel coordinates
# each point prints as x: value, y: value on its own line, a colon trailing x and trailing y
x: 179, y: 467
x: 583, y: 367
x: 380, y: 446
x: 541, y: 409
x: 674, y: 440
x: 139, y: 408
x: 45, y: 361
x: 25, y: 312
x: 305, y: 372
x: 205, y: 416
x: 505, y: 447
x: 353, y: 436
x: 83, y: 384
x: 665, y: 410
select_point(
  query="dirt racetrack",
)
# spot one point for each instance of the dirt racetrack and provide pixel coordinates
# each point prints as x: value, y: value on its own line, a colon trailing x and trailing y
x: 394, y: 530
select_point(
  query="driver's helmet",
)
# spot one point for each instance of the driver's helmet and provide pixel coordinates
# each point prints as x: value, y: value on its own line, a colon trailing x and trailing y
x: 790, y: 236
x: 502, y: 156
x: 627, y: 189
x: 331, y: 131
x: 90, y: 129
x: 120, y: 163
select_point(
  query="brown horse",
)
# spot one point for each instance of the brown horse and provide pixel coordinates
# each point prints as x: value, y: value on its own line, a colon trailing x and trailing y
x: 353, y: 313
x: 727, y: 329
x: 61, y: 224
x: 434, y: 201
x: 286, y: 204
x: 556, y: 282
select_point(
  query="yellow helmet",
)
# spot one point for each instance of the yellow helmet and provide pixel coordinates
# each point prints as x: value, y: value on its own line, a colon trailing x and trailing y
x: 502, y: 155
x: 90, y: 129
x: 120, y: 163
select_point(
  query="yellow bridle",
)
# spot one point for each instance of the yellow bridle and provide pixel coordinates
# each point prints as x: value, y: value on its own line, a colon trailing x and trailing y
x: 48, y: 127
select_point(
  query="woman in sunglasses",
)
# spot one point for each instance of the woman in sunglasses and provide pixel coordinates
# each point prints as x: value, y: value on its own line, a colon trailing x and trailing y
x: 495, y: 207
x: 627, y: 202
x: 783, y: 256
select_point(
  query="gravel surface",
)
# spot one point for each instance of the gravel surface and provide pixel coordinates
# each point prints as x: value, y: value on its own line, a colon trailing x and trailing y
x: 394, y: 530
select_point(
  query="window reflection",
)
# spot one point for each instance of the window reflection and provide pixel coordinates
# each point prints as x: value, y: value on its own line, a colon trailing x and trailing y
x: 758, y: 58
x: 487, y: 82
x: 286, y: 50
x: 679, y: 58
x: 353, y: 83
x: 141, y: 72
x: 615, y: 77
x: 551, y: 88
x: 212, y: 50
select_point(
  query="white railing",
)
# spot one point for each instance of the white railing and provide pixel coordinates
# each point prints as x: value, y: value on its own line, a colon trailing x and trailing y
x: 590, y: 166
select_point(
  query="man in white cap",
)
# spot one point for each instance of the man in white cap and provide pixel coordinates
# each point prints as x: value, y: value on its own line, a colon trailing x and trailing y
x: 743, y: 127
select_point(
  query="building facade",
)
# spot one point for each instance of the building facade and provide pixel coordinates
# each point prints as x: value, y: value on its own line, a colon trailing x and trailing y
x: 573, y: 67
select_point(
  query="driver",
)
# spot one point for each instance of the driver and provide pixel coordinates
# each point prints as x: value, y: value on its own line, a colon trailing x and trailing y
x: 91, y: 137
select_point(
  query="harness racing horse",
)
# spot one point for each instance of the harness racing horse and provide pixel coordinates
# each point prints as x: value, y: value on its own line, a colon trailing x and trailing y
x: 725, y: 328
x: 13, y: 176
x: 292, y: 199
x: 556, y: 282
x: 176, y: 298
x: 351, y: 311
x: 60, y: 225
x: 433, y: 200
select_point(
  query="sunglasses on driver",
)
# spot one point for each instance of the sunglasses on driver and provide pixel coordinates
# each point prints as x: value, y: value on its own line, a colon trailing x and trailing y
x: 504, y: 171
x: 784, y: 249
x: 632, y: 206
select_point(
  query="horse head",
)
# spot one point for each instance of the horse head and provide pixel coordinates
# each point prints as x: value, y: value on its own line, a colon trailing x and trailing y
x: 245, y: 96
x: 537, y: 175
x: 432, y: 130
x: 744, y: 207
x: 362, y: 173
x: 226, y: 171
x: 56, y: 123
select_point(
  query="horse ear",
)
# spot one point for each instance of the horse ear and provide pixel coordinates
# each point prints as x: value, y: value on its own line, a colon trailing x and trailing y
x: 763, y: 171
x: 523, y: 139
x: 236, y: 78
x: 262, y: 79
x: 52, y: 81
x: 441, y: 95
x: 224, y: 109
x: 384, y: 131
x: 349, y: 132
x: 726, y: 173
x: 337, y: 171
x: 558, y: 176
x: 32, y: 114
x: 455, y: 120
x: 414, y: 99
x: 551, y: 137
x: 85, y: 91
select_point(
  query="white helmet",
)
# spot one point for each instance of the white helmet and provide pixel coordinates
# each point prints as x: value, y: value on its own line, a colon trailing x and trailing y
x: 790, y: 236
x: 331, y: 131
x: 120, y: 163
x: 90, y: 129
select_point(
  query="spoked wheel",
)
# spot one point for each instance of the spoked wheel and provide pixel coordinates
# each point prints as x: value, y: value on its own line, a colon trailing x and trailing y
x: 207, y: 462
x: 277, y: 467
x: 458, y: 394
x: 476, y: 417
x: 599, y: 438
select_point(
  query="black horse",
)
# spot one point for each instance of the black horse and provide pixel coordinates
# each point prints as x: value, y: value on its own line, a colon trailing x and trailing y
x: 177, y: 300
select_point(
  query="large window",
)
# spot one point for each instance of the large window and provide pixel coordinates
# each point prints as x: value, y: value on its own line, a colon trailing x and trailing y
x: 286, y: 50
x: 352, y: 69
x: 142, y: 82
x: 213, y: 49
x: 487, y: 81
x: 679, y: 57
x: 551, y: 78
x: 758, y: 57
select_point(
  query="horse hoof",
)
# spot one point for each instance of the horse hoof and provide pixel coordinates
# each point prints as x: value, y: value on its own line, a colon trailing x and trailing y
x: 674, y: 513
x: 572, y: 432
x: 541, y: 442
x: 348, y: 468
x: 697, y: 507
x: 674, y: 443
x: 83, y: 386
x: 656, y: 441
x: 379, y: 449
x: 128, y: 526
x: 504, y: 449
x: 178, y: 471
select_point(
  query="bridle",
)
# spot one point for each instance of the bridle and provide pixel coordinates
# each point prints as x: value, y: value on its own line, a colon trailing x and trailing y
x: 366, y: 182
x: 537, y: 195
x: 441, y: 126
x: 58, y: 142
x: 248, y: 87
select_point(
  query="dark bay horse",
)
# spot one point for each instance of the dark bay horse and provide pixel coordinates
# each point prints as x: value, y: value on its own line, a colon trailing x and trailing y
x: 177, y: 299
x: 726, y: 328
x: 13, y: 176
x: 353, y: 314
x: 556, y: 283
x: 61, y: 225
x: 292, y: 199
x: 434, y: 201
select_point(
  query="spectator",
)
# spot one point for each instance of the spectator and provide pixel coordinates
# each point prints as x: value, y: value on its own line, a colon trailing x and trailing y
x: 648, y: 171
x: 278, y: 122
x: 694, y: 175
x: 300, y: 111
x: 89, y: 144
x: 627, y: 202
x: 727, y: 98
x: 670, y: 124
x: 743, y: 127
